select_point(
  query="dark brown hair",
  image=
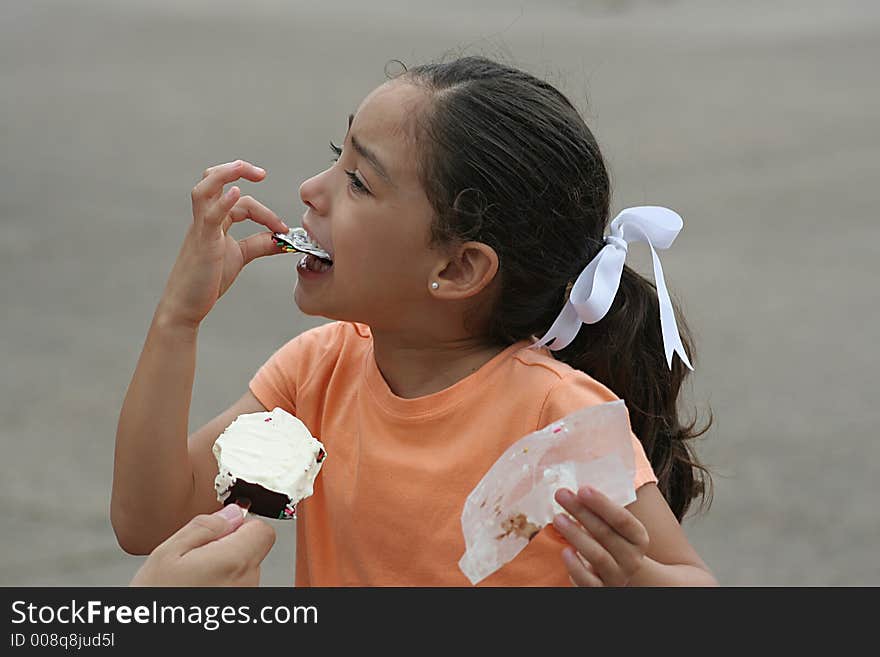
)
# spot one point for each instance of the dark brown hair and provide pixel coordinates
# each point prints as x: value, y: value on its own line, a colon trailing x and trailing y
x: 507, y: 160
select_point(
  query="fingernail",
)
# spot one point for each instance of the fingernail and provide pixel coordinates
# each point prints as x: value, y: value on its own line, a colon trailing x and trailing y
x: 260, y: 169
x: 231, y: 512
x: 565, y: 495
x: 244, y: 504
x: 561, y: 521
x: 585, y: 492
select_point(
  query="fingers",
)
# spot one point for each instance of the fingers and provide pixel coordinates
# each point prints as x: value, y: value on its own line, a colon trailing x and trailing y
x: 257, y: 246
x: 204, y: 529
x: 247, y: 207
x: 253, y: 541
x: 261, y: 244
x: 208, y: 199
x: 218, y: 213
x: 215, y: 177
x: 243, y: 550
x: 622, y: 521
x: 604, y: 564
x: 608, y: 536
x: 581, y: 573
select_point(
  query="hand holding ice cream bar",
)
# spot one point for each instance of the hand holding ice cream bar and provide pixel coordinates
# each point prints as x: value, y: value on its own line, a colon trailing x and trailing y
x: 270, y: 459
x: 514, y: 499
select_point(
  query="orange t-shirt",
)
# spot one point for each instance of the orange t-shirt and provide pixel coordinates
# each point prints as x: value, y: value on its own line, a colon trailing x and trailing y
x: 387, y: 505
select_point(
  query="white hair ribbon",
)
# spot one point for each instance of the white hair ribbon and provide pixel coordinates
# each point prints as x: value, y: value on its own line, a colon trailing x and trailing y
x: 594, y: 290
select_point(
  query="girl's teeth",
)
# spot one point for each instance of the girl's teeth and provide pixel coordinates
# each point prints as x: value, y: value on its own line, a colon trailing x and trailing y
x: 314, y: 264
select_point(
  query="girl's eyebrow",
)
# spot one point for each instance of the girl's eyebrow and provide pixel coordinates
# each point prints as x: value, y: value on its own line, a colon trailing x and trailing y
x: 368, y: 155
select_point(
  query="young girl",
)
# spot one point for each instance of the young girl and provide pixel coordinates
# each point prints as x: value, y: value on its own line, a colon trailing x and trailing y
x: 464, y: 217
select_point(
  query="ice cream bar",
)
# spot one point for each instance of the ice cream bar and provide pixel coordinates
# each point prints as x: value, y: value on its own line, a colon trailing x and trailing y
x: 271, y: 459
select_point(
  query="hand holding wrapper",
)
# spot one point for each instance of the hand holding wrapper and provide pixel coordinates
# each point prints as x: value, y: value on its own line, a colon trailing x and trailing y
x: 514, y: 499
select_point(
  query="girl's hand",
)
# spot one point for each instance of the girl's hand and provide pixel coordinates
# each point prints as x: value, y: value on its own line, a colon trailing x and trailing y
x: 209, y: 259
x: 608, y: 542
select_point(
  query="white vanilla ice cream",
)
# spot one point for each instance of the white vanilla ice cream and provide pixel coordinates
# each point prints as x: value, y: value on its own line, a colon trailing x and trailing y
x: 273, y: 450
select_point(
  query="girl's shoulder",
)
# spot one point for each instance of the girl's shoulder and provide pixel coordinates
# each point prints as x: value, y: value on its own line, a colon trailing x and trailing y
x: 542, y: 361
x: 323, y: 344
x: 559, y: 379
x: 332, y: 335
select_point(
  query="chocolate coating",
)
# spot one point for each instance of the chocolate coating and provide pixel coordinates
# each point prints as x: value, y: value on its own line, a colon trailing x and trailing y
x: 264, y: 502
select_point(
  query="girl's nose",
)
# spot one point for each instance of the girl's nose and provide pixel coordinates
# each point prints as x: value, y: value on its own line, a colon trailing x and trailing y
x: 314, y: 193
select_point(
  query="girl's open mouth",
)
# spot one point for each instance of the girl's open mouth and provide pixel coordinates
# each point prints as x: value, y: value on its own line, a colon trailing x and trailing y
x: 316, y: 261
x: 313, y: 264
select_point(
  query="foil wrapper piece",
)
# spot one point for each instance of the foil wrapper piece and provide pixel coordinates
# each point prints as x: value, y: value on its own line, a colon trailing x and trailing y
x: 298, y: 240
x: 514, y: 499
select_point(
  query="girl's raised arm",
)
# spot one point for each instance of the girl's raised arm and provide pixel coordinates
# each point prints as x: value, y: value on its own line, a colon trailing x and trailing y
x: 159, y: 477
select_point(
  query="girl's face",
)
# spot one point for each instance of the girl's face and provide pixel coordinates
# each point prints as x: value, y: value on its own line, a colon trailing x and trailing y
x: 370, y: 213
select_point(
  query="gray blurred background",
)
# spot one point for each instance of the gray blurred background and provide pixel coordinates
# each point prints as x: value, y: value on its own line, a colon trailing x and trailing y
x: 757, y: 121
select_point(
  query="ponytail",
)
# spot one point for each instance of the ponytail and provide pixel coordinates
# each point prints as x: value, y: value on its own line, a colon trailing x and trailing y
x: 539, y: 192
x: 624, y: 351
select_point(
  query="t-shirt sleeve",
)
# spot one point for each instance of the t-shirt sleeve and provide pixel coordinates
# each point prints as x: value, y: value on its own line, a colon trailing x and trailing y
x: 275, y: 383
x: 575, y: 392
x: 279, y: 380
x: 287, y: 374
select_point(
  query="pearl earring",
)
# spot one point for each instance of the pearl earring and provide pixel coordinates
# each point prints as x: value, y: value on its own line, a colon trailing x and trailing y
x: 435, y: 285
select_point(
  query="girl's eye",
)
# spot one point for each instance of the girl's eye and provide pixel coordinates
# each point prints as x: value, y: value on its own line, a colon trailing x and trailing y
x: 337, y: 151
x: 354, y: 182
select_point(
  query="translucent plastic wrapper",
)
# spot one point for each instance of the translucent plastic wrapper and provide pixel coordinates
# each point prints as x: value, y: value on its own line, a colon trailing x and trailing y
x: 514, y: 499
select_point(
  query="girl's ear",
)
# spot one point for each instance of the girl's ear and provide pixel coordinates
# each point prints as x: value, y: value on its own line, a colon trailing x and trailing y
x: 470, y: 268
